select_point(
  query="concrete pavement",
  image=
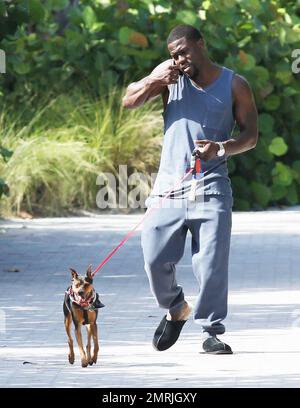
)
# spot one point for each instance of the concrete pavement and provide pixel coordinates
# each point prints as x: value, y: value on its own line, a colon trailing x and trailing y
x: 263, y: 323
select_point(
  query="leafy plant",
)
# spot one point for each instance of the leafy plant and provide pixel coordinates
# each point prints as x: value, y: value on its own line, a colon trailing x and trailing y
x: 5, y: 154
x: 58, y: 154
x: 90, y: 46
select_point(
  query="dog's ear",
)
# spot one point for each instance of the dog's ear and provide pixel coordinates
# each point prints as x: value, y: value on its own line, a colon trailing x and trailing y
x: 89, y: 272
x: 74, y: 274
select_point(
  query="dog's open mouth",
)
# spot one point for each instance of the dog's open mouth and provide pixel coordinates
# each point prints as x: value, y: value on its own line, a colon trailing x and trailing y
x: 83, y: 301
x: 87, y: 298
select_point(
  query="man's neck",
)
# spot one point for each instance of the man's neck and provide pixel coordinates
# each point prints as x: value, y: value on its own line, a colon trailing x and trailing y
x: 208, y: 73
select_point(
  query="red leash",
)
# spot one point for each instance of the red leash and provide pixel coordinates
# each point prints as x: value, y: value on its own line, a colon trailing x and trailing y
x: 147, y: 213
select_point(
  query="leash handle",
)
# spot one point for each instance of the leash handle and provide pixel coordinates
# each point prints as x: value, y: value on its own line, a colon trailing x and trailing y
x: 197, y: 173
x: 198, y: 166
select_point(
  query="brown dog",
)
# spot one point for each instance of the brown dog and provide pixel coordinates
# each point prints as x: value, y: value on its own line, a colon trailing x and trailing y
x: 80, y: 306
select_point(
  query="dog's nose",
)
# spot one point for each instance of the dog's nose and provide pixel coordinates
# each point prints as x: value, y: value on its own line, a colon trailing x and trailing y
x: 80, y: 292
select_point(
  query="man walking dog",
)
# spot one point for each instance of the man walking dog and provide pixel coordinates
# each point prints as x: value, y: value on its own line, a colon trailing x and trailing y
x: 202, y: 101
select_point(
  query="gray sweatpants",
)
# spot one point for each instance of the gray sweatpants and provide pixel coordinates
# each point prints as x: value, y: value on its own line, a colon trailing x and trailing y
x: 163, y: 241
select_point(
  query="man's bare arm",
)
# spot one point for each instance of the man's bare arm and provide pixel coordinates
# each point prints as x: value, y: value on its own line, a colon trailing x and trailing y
x: 245, y: 114
x: 151, y: 86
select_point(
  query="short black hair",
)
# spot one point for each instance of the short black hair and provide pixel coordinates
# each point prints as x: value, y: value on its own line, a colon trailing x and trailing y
x: 184, y: 30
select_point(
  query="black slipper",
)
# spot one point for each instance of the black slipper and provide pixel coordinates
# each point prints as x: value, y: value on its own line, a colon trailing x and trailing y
x: 213, y: 345
x: 167, y: 333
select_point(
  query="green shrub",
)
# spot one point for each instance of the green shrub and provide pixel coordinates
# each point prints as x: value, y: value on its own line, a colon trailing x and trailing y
x: 59, y: 153
x: 5, y: 154
x: 92, y: 45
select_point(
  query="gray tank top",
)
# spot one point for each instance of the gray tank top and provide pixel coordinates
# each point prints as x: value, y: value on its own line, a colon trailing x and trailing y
x: 193, y: 113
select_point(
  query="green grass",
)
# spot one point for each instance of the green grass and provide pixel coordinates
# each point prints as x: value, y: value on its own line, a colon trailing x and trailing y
x: 62, y: 144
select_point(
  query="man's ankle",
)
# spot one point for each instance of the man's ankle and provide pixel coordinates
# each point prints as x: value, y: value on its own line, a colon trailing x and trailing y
x: 206, y: 335
x: 181, y: 314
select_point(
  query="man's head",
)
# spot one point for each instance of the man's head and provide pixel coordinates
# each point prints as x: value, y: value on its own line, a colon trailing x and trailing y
x: 187, y: 48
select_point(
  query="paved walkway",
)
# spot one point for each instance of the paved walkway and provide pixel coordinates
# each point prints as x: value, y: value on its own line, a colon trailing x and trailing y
x: 263, y: 324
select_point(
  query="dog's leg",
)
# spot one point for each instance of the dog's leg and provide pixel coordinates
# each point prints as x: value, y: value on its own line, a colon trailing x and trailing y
x: 84, y: 362
x: 68, y: 324
x: 88, y: 347
x: 95, y: 339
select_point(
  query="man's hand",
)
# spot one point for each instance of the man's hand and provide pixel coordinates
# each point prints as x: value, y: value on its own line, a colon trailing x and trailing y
x: 165, y: 73
x: 207, y: 149
x: 153, y: 85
